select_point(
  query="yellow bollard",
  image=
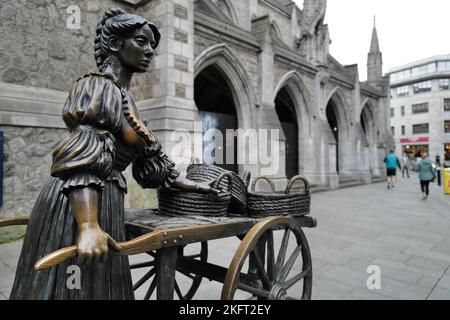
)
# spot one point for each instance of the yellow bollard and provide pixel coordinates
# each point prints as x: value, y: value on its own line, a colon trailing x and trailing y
x: 446, y: 174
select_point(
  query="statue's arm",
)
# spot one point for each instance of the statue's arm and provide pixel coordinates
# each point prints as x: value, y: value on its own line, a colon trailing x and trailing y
x: 92, y: 240
x: 188, y: 185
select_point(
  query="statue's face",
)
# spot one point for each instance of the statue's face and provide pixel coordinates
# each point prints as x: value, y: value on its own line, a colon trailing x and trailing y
x: 137, y: 51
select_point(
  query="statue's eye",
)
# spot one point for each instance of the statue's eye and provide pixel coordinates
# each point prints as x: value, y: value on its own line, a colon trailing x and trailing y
x: 141, y: 41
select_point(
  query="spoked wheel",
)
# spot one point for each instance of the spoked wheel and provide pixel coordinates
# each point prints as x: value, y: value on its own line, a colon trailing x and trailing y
x: 186, y: 283
x: 275, y: 272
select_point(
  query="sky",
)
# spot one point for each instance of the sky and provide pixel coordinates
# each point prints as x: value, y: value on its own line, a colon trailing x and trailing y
x: 408, y: 30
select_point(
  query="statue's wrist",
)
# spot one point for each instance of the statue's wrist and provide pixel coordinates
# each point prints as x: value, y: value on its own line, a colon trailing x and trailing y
x: 85, y: 226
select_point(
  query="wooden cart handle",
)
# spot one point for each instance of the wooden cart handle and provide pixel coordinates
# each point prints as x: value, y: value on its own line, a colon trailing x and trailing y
x: 14, y: 222
x: 61, y: 255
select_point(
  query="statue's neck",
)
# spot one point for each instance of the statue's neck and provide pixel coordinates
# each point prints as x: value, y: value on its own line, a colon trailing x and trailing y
x: 122, y: 75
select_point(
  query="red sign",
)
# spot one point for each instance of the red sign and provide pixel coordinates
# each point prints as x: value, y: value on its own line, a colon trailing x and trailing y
x: 409, y: 140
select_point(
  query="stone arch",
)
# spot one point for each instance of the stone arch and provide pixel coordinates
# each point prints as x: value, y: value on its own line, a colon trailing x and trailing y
x: 275, y: 28
x: 300, y: 94
x: 338, y: 98
x: 338, y: 107
x: 367, y: 117
x: 301, y: 100
x: 222, y: 57
x: 228, y: 9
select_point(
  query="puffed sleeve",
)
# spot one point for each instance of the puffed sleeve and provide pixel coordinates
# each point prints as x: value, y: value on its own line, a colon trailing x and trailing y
x: 153, y: 169
x: 92, y: 113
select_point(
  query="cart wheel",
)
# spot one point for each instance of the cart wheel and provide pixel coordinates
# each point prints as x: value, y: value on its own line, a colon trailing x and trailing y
x: 267, y: 278
x: 183, y: 292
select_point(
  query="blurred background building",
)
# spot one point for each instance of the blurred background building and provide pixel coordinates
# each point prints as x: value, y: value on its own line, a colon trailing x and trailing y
x: 252, y: 64
x: 420, y: 107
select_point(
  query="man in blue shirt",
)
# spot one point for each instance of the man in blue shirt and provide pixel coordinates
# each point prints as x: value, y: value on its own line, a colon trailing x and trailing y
x: 392, y: 163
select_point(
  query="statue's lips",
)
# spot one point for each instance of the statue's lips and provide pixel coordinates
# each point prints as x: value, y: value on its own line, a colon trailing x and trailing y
x: 146, y: 62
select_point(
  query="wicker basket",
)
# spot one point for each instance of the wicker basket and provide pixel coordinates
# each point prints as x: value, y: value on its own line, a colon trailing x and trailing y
x: 205, y: 173
x: 178, y: 203
x: 263, y: 204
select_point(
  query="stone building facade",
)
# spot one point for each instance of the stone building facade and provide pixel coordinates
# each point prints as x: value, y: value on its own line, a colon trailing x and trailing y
x: 252, y: 64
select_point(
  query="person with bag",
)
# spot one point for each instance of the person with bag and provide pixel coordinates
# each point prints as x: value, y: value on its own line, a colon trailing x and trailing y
x: 426, y: 175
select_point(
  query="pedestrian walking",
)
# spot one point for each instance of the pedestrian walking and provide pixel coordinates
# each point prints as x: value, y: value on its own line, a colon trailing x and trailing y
x: 392, y: 163
x: 426, y: 175
x: 438, y: 170
x: 405, y: 165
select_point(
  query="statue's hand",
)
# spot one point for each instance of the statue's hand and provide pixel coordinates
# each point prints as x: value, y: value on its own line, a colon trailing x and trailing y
x: 206, y: 188
x: 92, y: 245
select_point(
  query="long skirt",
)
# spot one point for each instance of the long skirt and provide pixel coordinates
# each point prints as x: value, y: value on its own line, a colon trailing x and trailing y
x: 52, y: 226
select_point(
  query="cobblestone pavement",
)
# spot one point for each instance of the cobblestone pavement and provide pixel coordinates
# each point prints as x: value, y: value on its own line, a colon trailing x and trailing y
x: 406, y: 237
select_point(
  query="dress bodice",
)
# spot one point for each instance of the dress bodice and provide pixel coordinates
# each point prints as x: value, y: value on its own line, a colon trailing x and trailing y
x: 105, y: 136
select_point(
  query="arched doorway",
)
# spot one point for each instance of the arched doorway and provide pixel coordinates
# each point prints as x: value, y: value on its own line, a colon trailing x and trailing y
x: 217, y: 110
x: 367, y: 120
x: 367, y: 123
x: 285, y: 109
x: 332, y: 116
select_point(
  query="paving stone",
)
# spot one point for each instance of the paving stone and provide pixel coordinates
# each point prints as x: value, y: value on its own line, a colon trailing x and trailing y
x: 346, y: 276
x: 357, y: 250
x: 439, y: 294
x: 366, y: 294
x: 402, y: 290
x: 5, y: 270
x: 444, y: 282
x: 6, y: 281
x: 325, y: 289
x: 428, y: 263
x: 330, y: 256
x: 444, y: 257
x: 424, y: 271
x: 6, y: 292
x: 427, y: 282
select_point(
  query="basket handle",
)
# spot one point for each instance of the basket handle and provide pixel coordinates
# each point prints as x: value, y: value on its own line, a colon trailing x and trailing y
x: 226, y: 174
x: 263, y: 178
x: 293, y: 180
x: 246, y: 178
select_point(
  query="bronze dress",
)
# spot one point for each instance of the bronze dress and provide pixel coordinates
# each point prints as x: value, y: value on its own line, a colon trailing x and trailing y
x: 105, y: 136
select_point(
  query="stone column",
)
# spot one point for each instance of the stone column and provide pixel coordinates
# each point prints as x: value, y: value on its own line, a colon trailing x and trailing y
x: 266, y: 113
x: 171, y: 106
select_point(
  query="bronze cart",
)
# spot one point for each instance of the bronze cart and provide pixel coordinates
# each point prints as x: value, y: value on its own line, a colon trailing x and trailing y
x: 259, y: 267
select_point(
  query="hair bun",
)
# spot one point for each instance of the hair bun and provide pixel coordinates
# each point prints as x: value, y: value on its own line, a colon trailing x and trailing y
x: 109, y: 13
x: 112, y: 12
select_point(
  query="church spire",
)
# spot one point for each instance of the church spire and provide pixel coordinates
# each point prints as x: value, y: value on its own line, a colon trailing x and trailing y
x: 375, y: 58
x: 374, y: 45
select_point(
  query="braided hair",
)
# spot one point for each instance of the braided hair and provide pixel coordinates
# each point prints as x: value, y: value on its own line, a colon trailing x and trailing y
x: 116, y: 21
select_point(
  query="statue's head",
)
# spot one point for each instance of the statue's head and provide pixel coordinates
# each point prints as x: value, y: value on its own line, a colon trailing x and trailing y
x: 127, y: 37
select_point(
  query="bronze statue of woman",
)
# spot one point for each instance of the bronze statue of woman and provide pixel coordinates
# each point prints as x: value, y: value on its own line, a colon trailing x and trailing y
x: 82, y: 202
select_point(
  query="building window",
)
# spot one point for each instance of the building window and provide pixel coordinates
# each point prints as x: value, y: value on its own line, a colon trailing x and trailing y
x: 444, y: 84
x: 402, y: 91
x: 443, y: 66
x: 447, y: 151
x: 424, y: 86
x: 446, y: 104
x: 393, y: 131
x: 420, y: 108
x: 403, y: 110
x: 392, y: 112
x: 447, y: 126
x: 403, y: 130
x: 392, y: 93
x: 421, y: 128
